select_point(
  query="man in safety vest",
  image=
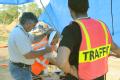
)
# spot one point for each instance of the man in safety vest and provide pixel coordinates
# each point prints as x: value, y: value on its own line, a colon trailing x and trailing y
x: 85, y: 45
x: 42, y: 61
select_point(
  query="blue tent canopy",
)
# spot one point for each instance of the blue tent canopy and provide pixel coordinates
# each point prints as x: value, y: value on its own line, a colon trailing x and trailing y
x: 15, y: 2
x: 57, y: 14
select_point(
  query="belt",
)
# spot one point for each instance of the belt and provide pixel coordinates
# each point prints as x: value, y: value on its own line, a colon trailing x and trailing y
x: 22, y: 65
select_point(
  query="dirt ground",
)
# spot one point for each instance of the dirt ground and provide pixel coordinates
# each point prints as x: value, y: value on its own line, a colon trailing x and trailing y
x: 4, y: 72
x: 113, y: 74
x: 114, y: 69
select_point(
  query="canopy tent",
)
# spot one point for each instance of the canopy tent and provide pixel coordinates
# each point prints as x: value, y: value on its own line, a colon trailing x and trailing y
x: 15, y: 2
x: 57, y: 14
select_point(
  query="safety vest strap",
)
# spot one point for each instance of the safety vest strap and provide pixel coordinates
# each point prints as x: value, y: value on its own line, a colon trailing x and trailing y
x: 85, y: 32
x: 94, y: 53
x: 105, y: 30
x: 87, y: 35
x: 43, y: 62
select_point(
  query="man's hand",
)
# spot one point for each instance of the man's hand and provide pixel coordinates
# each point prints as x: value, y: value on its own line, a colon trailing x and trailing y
x: 115, y: 55
x: 115, y: 50
x: 48, y: 48
x: 74, y: 71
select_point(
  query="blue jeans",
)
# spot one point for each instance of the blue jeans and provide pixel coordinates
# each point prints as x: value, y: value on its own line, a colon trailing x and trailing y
x: 19, y: 73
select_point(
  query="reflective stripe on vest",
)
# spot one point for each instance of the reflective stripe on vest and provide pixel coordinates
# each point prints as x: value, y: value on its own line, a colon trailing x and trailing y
x: 90, y: 57
x: 40, y: 63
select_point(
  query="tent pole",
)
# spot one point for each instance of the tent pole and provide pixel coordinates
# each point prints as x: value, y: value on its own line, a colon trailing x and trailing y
x: 48, y: 15
x: 112, y: 18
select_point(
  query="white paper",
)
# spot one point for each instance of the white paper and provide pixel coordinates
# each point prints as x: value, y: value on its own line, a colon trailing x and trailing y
x: 51, y: 37
x: 42, y: 48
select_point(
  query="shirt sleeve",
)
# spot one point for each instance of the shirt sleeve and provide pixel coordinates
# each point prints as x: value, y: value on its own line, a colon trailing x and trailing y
x: 22, y: 42
x: 71, y: 36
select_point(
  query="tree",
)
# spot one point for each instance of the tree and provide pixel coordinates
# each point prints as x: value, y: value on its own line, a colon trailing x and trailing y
x: 32, y: 7
x: 11, y: 12
x: 8, y: 14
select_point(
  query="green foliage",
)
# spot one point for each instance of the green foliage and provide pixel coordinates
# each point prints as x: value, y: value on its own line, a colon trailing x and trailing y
x: 8, y: 14
x: 11, y: 12
x: 32, y: 7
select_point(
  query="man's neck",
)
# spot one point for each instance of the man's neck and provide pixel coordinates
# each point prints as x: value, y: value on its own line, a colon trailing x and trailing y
x: 82, y: 16
x: 22, y: 26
